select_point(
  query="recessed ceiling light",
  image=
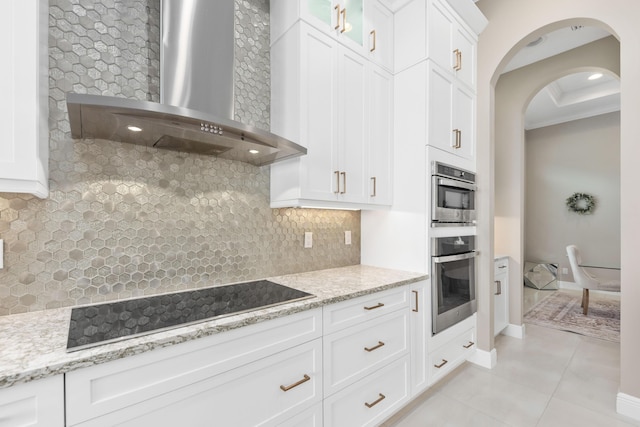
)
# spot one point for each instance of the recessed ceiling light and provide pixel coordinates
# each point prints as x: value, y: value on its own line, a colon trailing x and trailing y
x: 254, y: 151
x: 595, y: 76
x: 134, y: 128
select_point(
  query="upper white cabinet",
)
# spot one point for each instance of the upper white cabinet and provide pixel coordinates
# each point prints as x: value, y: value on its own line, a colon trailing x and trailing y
x: 24, y: 135
x: 364, y: 26
x: 337, y: 104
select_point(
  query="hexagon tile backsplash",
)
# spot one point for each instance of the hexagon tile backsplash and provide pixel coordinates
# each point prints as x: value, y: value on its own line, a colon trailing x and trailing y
x: 124, y: 220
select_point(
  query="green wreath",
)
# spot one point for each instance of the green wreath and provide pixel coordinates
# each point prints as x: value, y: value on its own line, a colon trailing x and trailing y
x: 581, y: 203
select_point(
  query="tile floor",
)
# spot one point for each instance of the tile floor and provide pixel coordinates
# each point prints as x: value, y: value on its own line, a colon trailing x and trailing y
x: 549, y: 379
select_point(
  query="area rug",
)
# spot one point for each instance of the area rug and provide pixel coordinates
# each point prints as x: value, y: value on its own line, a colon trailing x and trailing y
x: 561, y: 310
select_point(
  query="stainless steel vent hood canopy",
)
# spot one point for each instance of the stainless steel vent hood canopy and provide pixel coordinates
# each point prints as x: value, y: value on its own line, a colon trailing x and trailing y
x: 196, y: 110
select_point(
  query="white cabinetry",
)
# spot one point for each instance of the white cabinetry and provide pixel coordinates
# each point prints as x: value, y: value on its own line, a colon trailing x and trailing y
x: 430, y: 35
x: 420, y: 330
x: 36, y: 403
x: 24, y: 135
x: 330, y: 100
x: 265, y: 373
x: 501, y: 295
x: 366, y: 358
x: 450, y: 348
x: 365, y: 26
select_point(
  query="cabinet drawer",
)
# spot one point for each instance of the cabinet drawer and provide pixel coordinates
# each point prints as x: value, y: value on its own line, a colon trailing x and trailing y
x: 447, y: 357
x: 111, y: 386
x: 358, y: 310
x: 263, y: 393
x: 352, y: 353
x: 36, y: 403
x: 312, y: 417
x: 501, y: 265
x: 370, y: 400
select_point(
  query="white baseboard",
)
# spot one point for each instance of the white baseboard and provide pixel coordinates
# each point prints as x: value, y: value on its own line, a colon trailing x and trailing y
x: 485, y: 359
x: 514, y: 331
x: 628, y: 406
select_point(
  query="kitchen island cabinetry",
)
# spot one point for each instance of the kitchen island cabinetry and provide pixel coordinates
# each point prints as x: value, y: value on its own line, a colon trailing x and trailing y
x: 38, y: 403
x: 24, y: 83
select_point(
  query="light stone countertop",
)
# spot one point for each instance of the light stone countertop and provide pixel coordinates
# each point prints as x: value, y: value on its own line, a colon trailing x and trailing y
x: 33, y: 345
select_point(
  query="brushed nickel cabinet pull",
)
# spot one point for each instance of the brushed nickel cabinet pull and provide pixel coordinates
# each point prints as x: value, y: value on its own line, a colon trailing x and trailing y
x: 373, y: 33
x: 498, y: 287
x: 296, y: 384
x: 374, y: 403
x: 469, y: 345
x: 337, y: 174
x: 373, y: 307
x: 502, y: 266
x: 416, y: 294
x: 373, y: 179
x: 375, y: 347
x: 458, y: 55
x: 444, y: 362
x: 337, y: 9
x: 344, y: 182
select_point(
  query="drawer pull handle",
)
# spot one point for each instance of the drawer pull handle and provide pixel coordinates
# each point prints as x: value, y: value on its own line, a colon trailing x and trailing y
x: 296, y: 384
x: 375, y: 347
x: 444, y: 362
x: 416, y: 294
x: 502, y: 266
x: 469, y: 345
x: 373, y: 307
x: 374, y: 403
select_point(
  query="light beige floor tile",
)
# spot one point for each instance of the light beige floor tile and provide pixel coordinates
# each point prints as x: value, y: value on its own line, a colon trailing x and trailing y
x: 589, y: 391
x: 505, y: 400
x: 443, y: 411
x: 596, y: 357
x: 565, y: 414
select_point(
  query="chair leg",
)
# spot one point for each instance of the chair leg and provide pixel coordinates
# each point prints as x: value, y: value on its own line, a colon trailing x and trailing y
x: 585, y: 301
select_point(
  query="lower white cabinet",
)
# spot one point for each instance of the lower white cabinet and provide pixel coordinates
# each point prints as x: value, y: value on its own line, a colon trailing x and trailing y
x: 450, y: 348
x: 420, y: 328
x: 500, y: 295
x: 370, y: 400
x: 36, y: 403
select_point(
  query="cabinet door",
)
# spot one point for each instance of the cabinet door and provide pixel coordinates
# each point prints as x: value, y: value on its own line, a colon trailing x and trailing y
x: 440, y: 29
x: 24, y: 133
x: 380, y: 137
x: 318, y: 128
x: 351, y: 25
x: 463, y: 121
x: 36, y: 403
x: 420, y: 324
x: 500, y: 296
x: 440, y: 109
x: 352, y: 126
x: 466, y: 46
x: 379, y: 34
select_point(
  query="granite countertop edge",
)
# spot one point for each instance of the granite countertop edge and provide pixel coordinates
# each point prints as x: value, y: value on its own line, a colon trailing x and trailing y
x: 34, y: 344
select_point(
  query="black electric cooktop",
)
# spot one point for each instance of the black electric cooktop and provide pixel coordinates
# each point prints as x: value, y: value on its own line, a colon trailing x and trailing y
x: 98, y: 324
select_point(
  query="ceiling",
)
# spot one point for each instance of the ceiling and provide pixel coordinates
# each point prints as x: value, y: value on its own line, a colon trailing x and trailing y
x: 572, y: 97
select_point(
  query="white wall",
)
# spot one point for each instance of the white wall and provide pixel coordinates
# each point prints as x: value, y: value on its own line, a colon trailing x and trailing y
x: 512, y: 24
x: 579, y: 156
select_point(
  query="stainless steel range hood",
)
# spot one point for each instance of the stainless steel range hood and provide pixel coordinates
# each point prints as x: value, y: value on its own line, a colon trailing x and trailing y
x: 197, y: 82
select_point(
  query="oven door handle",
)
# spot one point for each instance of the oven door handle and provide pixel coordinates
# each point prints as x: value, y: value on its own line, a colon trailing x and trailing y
x: 454, y: 183
x: 458, y: 257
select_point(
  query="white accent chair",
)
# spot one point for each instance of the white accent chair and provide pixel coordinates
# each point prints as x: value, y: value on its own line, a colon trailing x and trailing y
x: 587, y: 281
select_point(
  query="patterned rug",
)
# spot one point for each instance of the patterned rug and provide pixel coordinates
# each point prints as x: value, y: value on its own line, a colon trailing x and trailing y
x: 561, y: 310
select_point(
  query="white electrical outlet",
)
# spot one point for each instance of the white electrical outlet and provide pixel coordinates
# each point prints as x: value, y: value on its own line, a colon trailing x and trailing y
x: 1, y: 253
x: 308, y: 239
x: 565, y: 270
x: 347, y: 237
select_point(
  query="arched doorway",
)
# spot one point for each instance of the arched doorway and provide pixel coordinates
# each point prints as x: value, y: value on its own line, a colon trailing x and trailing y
x: 511, y: 26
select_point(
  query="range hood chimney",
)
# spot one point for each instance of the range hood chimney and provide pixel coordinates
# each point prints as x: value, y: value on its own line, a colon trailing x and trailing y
x: 196, y: 112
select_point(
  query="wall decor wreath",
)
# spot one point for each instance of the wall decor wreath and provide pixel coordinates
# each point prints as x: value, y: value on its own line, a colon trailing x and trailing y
x: 581, y: 203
